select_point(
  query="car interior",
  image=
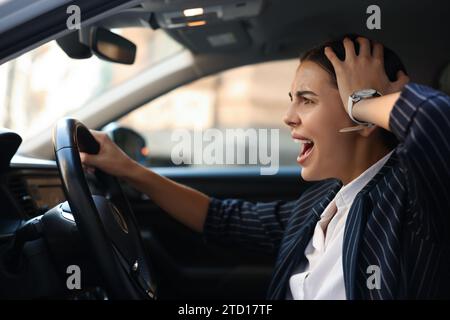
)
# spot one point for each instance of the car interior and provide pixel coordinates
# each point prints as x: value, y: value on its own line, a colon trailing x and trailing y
x: 53, y: 214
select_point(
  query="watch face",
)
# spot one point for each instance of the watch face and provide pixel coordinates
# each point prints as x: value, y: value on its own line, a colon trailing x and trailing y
x: 364, y: 93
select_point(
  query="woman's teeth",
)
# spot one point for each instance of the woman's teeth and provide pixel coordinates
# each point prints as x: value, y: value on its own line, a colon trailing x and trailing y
x: 302, y: 141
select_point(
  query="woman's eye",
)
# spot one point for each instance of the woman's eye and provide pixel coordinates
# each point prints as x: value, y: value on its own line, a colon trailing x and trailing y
x: 307, y: 101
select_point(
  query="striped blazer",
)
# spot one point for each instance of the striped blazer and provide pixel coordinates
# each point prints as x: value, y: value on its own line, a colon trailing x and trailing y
x: 399, y: 222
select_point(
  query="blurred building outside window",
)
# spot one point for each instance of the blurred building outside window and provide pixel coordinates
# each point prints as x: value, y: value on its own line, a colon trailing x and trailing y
x: 254, y: 96
x: 43, y: 85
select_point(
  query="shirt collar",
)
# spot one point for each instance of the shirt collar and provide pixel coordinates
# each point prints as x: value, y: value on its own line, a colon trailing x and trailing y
x: 345, y: 196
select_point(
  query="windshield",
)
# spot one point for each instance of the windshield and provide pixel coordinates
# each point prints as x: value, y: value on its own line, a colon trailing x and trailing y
x: 43, y: 85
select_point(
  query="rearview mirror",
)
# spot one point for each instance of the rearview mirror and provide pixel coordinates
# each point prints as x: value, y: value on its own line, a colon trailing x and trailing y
x: 112, y: 47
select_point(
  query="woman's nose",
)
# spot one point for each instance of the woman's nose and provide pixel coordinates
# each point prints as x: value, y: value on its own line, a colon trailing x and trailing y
x: 291, y: 118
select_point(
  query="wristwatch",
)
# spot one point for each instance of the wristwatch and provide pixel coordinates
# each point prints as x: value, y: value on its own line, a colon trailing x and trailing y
x: 358, y: 96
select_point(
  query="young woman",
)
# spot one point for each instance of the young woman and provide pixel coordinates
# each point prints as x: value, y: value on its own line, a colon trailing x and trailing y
x: 376, y: 225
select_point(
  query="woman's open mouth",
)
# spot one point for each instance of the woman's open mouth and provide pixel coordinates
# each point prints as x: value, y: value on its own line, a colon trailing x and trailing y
x: 307, y: 149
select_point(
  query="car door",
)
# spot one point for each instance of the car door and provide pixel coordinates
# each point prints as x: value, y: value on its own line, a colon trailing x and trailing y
x: 247, y: 103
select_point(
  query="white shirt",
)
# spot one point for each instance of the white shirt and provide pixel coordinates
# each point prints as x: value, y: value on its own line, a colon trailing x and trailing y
x: 321, y: 276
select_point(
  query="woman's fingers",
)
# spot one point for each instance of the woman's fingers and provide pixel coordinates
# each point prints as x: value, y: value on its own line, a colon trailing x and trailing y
x: 349, y: 50
x: 88, y: 169
x: 378, y: 51
x: 402, y: 80
x: 402, y: 77
x: 364, y: 47
x: 364, y: 70
x: 87, y: 159
x: 335, y: 61
x: 90, y: 160
x: 97, y: 134
x: 86, y: 162
x: 83, y: 157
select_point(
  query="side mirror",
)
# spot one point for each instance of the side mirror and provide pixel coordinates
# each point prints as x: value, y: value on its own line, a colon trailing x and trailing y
x: 111, y: 47
x: 131, y: 142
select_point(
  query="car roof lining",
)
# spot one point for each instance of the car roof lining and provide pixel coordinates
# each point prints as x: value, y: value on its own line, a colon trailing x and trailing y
x: 284, y: 29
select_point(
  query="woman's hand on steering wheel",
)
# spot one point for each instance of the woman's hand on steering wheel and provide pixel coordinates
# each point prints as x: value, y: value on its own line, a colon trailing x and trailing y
x: 110, y: 159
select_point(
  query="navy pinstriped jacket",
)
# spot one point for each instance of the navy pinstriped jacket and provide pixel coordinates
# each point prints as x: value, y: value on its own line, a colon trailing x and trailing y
x: 400, y: 221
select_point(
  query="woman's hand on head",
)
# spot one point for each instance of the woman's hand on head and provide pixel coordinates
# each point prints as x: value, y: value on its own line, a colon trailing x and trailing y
x: 363, y: 71
x: 110, y: 159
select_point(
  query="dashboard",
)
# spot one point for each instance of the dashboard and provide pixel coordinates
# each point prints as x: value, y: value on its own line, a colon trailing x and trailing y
x: 28, y: 188
x: 44, y: 192
x: 34, y: 252
x: 35, y: 191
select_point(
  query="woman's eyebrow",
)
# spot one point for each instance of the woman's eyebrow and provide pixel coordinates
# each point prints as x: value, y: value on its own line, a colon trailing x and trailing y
x: 305, y: 92
x: 302, y: 93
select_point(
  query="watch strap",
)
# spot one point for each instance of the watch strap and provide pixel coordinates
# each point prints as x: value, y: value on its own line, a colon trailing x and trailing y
x: 355, y: 98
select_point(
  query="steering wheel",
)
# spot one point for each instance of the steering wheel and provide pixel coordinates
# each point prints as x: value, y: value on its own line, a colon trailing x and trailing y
x: 107, y: 223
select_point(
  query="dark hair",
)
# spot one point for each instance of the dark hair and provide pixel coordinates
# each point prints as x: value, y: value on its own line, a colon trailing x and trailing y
x: 392, y: 65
